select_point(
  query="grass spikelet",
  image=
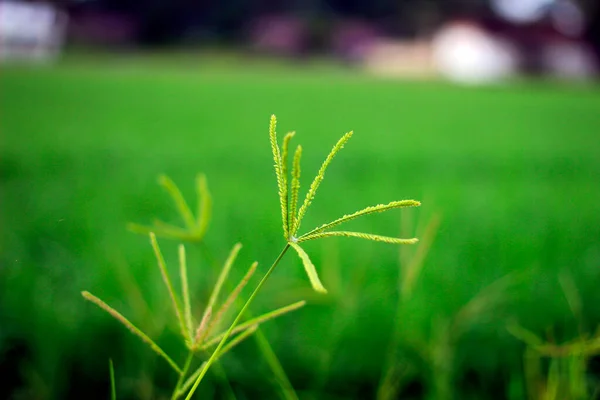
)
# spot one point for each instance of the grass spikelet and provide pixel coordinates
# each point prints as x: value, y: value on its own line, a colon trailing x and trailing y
x: 360, y: 235
x: 369, y: 210
x: 281, y: 178
x: 295, y: 188
x: 310, y: 195
x: 204, y: 205
x: 200, y: 332
x: 223, y: 275
x: 310, y: 269
x: 234, y: 294
x: 165, y: 275
x: 256, y: 321
x: 180, y: 203
x: 185, y: 291
x: 135, y: 330
x: 284, y: 172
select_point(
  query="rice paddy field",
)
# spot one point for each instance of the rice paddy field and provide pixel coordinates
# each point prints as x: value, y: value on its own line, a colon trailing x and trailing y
x: 508, y: 262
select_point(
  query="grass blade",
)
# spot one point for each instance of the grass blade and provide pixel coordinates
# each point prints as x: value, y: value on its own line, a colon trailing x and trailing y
x: 310, y: 269
x: 136, y: 331
x: 411, y: 270
x: 180, y: 203
x: 310, y: 195
x: 165, y: 275
x: 204, y: 205
x: 113, y: 386
x: 360, y: 235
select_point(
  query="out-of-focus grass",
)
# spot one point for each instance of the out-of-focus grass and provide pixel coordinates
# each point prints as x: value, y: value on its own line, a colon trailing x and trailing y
x: 514, y: 171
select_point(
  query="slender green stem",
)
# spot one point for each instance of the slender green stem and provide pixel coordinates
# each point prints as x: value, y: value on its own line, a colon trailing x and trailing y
x: 215, y: 353
x: 184, y: 372
x: 286, y: 387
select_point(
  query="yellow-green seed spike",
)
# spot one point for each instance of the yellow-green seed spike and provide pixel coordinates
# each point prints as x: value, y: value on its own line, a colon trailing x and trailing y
x: 369, y: 210
x: 319, y: 178
x: 360, y: 235
x: 135, y: 330
x: 310, y: 269
x: 204, y: 205
x: 165, y: 275
x: 295, y: 188
x: 281, y: 186
x: 284, y: 173
x: 180, y: 203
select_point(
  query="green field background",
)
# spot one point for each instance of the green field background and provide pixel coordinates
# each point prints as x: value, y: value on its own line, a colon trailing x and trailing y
x: 513, y: 172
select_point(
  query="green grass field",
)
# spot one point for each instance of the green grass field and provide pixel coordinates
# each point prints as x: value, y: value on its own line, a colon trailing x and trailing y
x: 513, y: 171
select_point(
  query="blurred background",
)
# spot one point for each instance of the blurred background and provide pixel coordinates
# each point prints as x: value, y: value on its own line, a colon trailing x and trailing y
x: 487, y: 111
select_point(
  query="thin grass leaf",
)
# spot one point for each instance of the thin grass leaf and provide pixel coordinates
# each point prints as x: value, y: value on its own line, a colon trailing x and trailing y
x: 310, y: 269
x: 369, y: 210
x: 185, y: 291
x: 360, y: 235
x: 295, y: 188
x: 284, y: 173
x: 204, y: 205
x: 412, y: 270
x: 281, y: 178
x: 255, y: 321
x: 230, y: 299
x: 287, y: 390
x: 162, y: 229
x: 113, y: 386
x: 223, y: 275
x: 573, y: 298
x: 553, y: 385
x: 310, y: 195
x: 183, y: 208
x: 165, y: 275
x: 136, y: 331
